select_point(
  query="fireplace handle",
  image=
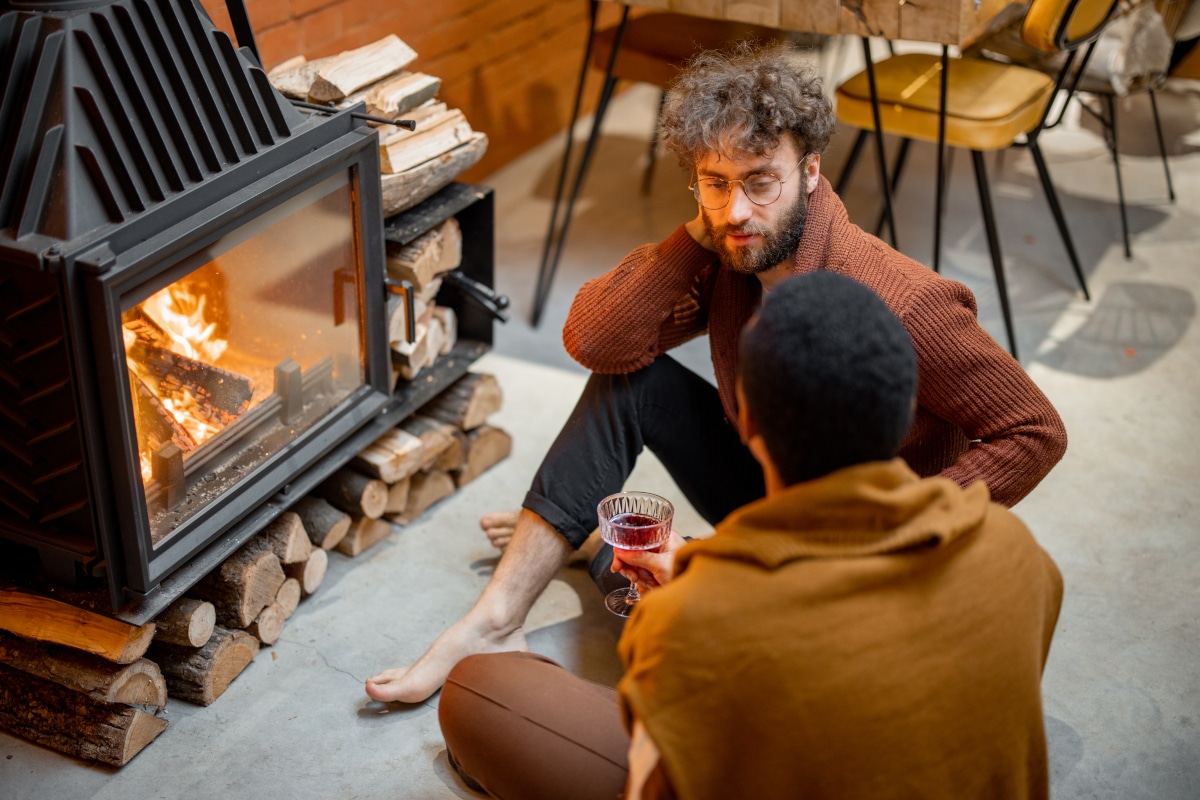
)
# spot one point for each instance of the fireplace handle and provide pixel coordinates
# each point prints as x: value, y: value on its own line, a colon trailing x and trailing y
x: 407, y: 124
x: 481, y: 293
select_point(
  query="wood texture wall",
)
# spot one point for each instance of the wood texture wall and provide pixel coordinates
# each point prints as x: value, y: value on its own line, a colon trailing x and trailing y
x: 510, y: 65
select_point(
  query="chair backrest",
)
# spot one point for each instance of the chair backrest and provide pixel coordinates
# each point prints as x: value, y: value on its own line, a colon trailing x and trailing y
x: 1054, y: 25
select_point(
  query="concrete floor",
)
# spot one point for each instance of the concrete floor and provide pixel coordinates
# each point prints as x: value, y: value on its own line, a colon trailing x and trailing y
x: 1119, y: 513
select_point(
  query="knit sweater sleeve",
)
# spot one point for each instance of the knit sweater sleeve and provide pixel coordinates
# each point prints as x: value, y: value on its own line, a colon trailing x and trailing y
x: 967, y: 379
x: 651, y: 302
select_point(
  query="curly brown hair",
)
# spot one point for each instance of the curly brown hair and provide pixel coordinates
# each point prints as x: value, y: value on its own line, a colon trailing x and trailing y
x: 742, y: 101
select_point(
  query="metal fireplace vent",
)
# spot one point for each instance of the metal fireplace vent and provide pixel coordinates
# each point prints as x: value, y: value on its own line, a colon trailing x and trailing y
x: 147, y: 160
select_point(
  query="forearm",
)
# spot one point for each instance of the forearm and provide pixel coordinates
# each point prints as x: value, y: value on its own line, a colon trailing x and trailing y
x: 624, y: 319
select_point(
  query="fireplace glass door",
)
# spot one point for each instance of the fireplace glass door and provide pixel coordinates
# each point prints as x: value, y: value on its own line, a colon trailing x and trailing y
x: 254, y: 343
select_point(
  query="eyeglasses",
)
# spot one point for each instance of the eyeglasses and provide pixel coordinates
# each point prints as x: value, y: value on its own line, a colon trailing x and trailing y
x: 762, y: 189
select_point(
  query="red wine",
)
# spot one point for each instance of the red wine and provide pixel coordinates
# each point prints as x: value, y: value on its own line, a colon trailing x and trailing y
x: 634, y: 531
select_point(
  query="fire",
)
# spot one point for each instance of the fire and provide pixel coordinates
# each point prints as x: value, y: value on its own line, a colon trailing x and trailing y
x: 181, y: 316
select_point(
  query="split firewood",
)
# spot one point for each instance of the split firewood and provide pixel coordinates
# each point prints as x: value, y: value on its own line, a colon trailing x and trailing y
x: 201, y: 676
x: 425, y: 489
x: 324, y: 524
x: 409, y: 358
x: 364, y: 533
x: 392, y: 457
x: 46, y: 620
x: 397, y: 320
x: 435, y: 340
x: 452, y: 457
x: 486, y: 447
x: 288, y: 538
x: 449, y: 320
x: 294, y: 77
x: 357, y: 68
x: 311, y: 572
x: 397, y: 496
x: 243, y: 585
x: 268, y: 625
x: 72, y: 722
x: 435, y: 437
x: 137, y: 684
x: 468, y: 402
x: 406, y: 189
x: 187, y: 621
x: 434, y: 136
x: 424, y: 300
x: 355, y: 493
x: 394, y: 96
x: 288, y: 597
x: 436, y: 251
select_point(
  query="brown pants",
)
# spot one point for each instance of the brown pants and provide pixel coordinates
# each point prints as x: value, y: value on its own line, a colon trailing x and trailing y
x: 524, y: 727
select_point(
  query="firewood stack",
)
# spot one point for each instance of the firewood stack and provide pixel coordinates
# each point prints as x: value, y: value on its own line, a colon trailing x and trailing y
x: 421, y: 263
x: 416, y: 163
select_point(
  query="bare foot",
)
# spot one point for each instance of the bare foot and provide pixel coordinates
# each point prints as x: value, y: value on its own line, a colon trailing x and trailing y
x: 499, y: 527
x: 418, y: 682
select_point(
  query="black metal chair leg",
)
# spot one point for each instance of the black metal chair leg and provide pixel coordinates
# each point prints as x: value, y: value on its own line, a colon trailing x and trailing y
x: 851, y: 161
x: 941, y: 161
x: 648, y: 175
x: 1162, y: 148
x: 879, y: 149
x: 993, y: 239
x: 901, y: 157
x: 1111, y: 105
x: 1039, y: 161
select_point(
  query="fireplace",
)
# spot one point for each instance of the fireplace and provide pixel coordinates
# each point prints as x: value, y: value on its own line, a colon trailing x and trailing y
x: 191, y: 293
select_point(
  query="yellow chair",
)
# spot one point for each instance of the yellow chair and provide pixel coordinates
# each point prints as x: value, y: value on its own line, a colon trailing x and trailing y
x: 987, y: 106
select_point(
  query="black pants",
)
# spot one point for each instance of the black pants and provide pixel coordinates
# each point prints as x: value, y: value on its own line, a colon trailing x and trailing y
x: 665, y: 407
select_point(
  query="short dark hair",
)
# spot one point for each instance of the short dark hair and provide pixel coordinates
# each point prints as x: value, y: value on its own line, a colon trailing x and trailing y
x: 828, y: 374
x: 743, y: 102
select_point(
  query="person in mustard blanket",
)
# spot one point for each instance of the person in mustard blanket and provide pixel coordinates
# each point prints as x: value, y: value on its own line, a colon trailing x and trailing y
x: 859, y: 632
x: 751, y: 125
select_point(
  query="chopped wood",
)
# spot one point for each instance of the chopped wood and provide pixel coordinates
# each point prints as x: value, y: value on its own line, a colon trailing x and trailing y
x: 202, y: 675
x: 311, y: 572
x: 449, y: 320
x: 453, y: 457
x: 411, y: 357
x: 424, y: 299
x: 243, y: 585
x: 355, y: 493
x: 404, y: 190
x: 72, y: 722
x: 324, y: 524
x: 288, y: 64
x: 397, y: 319
x: 468, y: 402
x: 46, y: 620
x: 436, y: 251
x: 397, y: 497
x: 425, y: 489
x: 357, y: 68
x: 486, y: 447
x: 364, y: 533
x: 294, y: 79
x: 435, y: 340
x: 288, y: 597
x: 435, y: 136
x: 137, y: 684
x: 392, y: 457
x: 288, y: 538
x: 394, y: 96
x: 268, y: 625
x: 435, y: 436
x: 187, y: 621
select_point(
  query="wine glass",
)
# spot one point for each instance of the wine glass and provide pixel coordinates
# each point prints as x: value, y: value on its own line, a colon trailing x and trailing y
x: 633, y: 521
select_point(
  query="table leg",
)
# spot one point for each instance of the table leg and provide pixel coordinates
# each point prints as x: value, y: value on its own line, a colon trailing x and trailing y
x: 941, y: 159
x: 884, y: 182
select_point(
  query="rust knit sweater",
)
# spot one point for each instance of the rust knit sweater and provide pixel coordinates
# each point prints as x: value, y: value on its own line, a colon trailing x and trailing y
x: 979, y: 416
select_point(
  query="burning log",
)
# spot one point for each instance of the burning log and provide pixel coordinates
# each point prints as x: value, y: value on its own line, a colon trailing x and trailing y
x: 324, y: 524
x: 187, y: 622
x: 355, y: 493
x: 201, y: 676
x: 220, y: 396
x: 155, y: 424
x: 139, y: 683
x: 243, y: 585
x: 73, y: 722
x: 311, y: 572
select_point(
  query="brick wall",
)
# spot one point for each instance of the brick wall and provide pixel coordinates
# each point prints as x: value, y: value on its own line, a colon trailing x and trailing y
x: 510, y: 65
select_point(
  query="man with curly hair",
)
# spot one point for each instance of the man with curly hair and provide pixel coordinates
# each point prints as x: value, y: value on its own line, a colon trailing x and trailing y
x: 751, y: 125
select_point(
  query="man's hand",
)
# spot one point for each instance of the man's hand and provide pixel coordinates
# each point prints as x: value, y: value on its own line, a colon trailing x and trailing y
x: 699, y: 231
x: 649, y: 569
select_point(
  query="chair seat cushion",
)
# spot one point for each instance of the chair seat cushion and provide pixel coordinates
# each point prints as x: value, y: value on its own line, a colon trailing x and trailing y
x: 988, y: 104
x: 657, y: 45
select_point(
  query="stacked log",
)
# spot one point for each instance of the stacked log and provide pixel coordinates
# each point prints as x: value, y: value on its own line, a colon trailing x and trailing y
x: 76, y: 682
x: 421, y: 263
x: 415, y: 163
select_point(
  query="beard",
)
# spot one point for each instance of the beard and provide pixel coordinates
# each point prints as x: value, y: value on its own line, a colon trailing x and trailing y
x: 779, y: 242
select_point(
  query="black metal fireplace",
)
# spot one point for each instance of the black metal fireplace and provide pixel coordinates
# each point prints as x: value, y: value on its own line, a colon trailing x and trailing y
x: 191, y: 292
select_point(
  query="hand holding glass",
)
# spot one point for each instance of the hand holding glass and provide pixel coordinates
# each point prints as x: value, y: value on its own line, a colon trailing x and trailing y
x: 633, y: 521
